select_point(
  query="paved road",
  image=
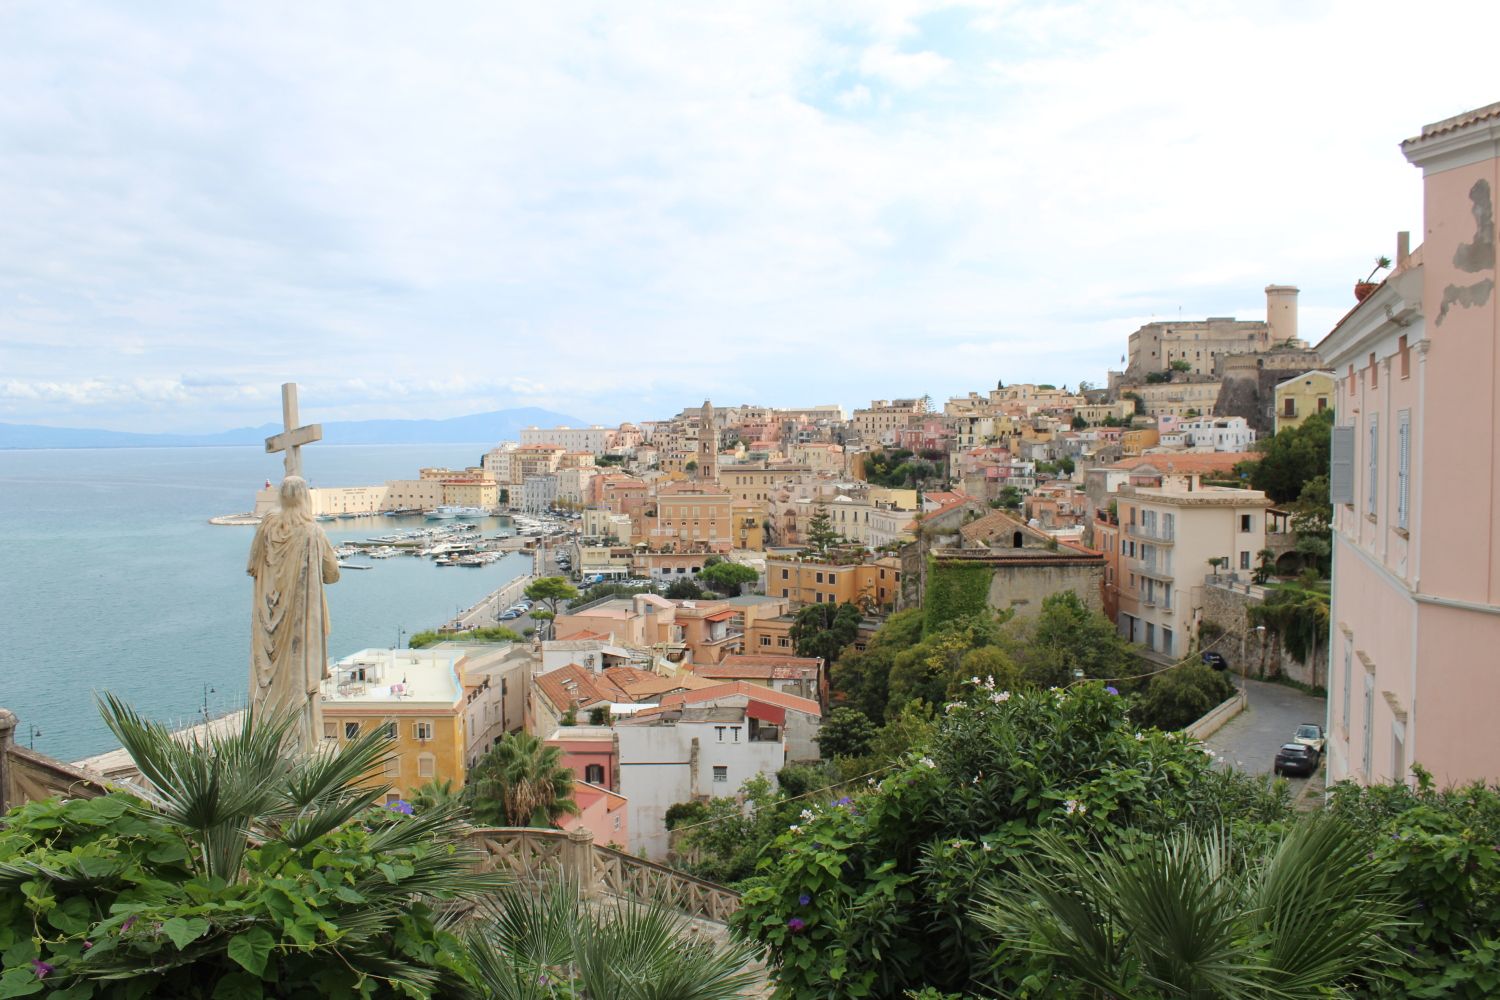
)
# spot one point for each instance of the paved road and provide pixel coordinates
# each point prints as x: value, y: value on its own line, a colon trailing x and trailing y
x: 1249, y: 741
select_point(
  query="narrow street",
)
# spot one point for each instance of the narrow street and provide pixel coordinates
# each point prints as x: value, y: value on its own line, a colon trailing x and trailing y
x: 1249, y: 741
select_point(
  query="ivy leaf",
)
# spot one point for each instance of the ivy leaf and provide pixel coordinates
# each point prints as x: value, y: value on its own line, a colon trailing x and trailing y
x: 238, y: 986
x: 100, y: 811
x: 72, y: 916
x: 184, y: 931
x: 19, y: 983
x: 251, y: 949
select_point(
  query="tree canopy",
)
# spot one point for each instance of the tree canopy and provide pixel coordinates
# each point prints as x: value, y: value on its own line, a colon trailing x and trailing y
x: 551, y: 589
x: 1291, y: 457
x: 520, y: 782
x: 729, y: 577
x: 825, y: 629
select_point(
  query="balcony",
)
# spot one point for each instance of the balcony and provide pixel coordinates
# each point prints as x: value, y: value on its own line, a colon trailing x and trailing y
x: 1155, y: 570
x: 1158, y: 535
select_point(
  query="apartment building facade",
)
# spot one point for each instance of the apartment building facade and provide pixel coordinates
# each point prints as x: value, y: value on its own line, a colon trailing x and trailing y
x: 1415, y: 484
x: 1166, y: 538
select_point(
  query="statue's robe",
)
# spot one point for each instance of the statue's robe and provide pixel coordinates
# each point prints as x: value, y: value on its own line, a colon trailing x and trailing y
x: 290, y: 559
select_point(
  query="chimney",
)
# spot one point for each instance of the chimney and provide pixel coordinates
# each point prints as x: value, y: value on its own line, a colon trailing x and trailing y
x: 1403, y: 248
x: 1281, y: 312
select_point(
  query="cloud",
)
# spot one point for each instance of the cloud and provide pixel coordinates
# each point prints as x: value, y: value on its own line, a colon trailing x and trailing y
x: 615, y: 210
x: 904, y: 69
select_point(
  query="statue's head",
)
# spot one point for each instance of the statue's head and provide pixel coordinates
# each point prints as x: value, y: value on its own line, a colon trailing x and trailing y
x: 295, y: 498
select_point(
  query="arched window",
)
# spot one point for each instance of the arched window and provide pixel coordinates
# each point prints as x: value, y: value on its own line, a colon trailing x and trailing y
x: 1015, y: 540
x: 594, y: 774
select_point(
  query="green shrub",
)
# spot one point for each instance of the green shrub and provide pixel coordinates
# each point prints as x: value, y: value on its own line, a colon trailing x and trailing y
x: 1181, y: 696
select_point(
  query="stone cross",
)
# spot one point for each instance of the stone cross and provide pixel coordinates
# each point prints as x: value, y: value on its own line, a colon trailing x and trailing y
x: 292, y: 438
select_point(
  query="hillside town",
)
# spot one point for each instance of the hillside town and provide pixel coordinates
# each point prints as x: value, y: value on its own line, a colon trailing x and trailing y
x: 750, y: 634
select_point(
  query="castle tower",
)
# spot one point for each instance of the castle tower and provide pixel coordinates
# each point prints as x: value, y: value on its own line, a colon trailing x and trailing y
x: 708, y: 445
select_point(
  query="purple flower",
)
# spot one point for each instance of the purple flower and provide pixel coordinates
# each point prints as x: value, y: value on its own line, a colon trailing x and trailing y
x: 129, y: 923
x: 87, y: 945
x: 797, y: 925
x: 1111, y: 689
x: 804, y: 899
x: 401, y: 806
x: 542, y: 980
x: 844, y: 801
x: 40, y: 968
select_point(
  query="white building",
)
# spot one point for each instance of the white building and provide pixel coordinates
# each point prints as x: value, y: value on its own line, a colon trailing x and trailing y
x: 538, y: 494
x: 596, y: 439
x: 689, y: 753
x: 1216, y: 433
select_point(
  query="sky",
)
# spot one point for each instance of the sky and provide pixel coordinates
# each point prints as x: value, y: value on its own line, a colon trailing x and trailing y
x: 616, y: 210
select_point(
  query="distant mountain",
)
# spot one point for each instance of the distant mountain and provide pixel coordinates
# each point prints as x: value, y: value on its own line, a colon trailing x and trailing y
x: 498, y: 425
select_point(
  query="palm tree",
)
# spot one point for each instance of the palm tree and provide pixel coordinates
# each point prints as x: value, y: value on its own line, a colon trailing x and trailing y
x: 250, y: 809
x: 436, y: 795
x: 521, y: 782
x: 1195, y: 916
x: 533, y: 944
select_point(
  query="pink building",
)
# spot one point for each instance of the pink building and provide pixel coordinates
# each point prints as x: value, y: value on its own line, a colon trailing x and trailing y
x: 1415, y: 624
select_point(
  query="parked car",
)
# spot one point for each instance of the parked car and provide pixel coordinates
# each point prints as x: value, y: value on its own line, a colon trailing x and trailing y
x: 1310, y: 734
x: 1296, y: 759
x: 1215, y: 659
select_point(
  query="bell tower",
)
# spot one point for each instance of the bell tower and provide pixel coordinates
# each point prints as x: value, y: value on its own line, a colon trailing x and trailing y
x: 708, y: 445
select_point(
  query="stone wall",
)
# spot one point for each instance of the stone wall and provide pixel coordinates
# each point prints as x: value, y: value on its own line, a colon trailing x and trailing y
x: 1254, y: 653
x: 1024, y: 586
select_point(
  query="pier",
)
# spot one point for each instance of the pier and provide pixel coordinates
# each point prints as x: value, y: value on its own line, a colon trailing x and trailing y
x: 487, y: 612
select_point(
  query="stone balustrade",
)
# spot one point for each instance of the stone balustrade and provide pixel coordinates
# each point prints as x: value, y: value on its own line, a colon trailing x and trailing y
x: 28, y: 776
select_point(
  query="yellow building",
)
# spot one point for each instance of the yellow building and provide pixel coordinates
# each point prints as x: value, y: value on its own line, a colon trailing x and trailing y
x: 417, y: 697
x: 1134, y: 442
x: 748, y: 519
x: 1299, y: 398
x: 472, y: 492
x: 873, y: 584
x: 757, y: 482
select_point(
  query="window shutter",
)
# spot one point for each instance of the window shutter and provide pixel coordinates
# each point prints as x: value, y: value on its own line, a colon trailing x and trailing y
x: 1403, y: 469
x: 1341, y: 471
x: 1374, y: 463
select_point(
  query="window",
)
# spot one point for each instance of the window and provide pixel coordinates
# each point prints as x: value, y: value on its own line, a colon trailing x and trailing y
x: 765, y: 640
x: 594, y: 774
x: 1403, y: 468
x: 832, y: 577
x: 330, y: 730
x: 393, y: 766
x: 1150, y: 635
x: 1244, y: 560
x: 721, y: 772
x: 1341, y: 467
x: 1245, y: 521
x: 426, y: 765
x: 1166, y: 640
x: 351, y: 730
x: 720, y: 731
x: 1369, y: 720
x: 1289, y: 407
x: 1373, y: 464
x: 390, y: 730
x: 783, y: 576
x: 617, y: 822
x: 735, y: 733
x: 1349, y: 675
x: 422, y: 731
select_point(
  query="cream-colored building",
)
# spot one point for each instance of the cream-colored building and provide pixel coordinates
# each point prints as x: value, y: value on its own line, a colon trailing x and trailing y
x: 882, y: 418
x: 1299, y: 398
x: 1178, y: 399
x: 1097, y: 413
x: 600, y: 523
x: 595, y: 440
x: 692, y: 514
x: 757, y: 482
x: 1167, y: 537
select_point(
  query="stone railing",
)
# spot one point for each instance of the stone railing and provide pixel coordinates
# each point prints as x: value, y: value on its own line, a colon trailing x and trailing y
x: 536, y: 854
x: 28, y: 776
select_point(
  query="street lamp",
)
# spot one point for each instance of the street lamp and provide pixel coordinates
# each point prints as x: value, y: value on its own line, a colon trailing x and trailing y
x: 32, y: 733
x: 400, y: 637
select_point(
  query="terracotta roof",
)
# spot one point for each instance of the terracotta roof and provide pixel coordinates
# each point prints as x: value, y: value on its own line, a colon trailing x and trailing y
x: 1486, y: 113
x: 752, y: 691
x: 1203, y: 461
x: 639, y: 684
x: 572, y: 687
x: 772, y: 658
x: 759, y: 671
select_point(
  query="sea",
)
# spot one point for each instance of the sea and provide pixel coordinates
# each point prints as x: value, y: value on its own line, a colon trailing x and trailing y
x: 112, y: 579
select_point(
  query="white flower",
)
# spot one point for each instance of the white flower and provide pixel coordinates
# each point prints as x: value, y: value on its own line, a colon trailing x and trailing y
x: 807, y: 814
x: 1000, y: 697
x: 869, y: 781
x: 974, y: 680
x: 1140, y: 737
x: 975, y: 781
x: 987, y: 846
x: 989, y: 682
x: 794, y: 828
x: 1074, y: 806
x: 927, y: 762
